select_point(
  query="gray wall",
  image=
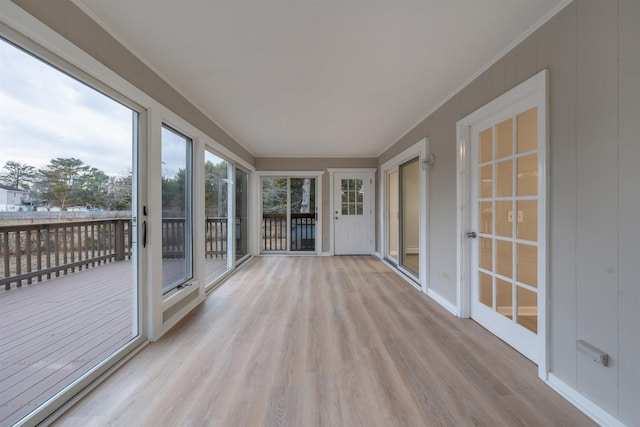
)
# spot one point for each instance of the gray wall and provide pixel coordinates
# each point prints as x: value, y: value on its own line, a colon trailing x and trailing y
x: 592, y: 49
x: 319, y: 164
x: 69, y: 21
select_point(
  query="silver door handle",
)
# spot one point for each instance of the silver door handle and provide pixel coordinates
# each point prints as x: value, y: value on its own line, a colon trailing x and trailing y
x: 472, y: 234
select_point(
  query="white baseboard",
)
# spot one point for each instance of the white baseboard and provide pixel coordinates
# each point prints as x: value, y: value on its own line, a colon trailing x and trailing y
x: 443, y: 302
x: 581, y: 402
x: 326, y: 254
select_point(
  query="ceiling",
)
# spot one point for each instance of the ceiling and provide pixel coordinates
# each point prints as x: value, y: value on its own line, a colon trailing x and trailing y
x: 318, y: 78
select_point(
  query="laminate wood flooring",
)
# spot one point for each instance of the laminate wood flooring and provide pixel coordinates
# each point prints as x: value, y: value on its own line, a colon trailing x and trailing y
x: 324, y: 341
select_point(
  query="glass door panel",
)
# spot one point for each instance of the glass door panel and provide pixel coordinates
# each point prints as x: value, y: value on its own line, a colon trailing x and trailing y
x: 242, y: 214
x: 393, y: 218
x: 302, y: 213
x: 69, y: 278
x: 409, y: 187
x: 274, y: 214
x: 506, y: 166
x: 217, y: 205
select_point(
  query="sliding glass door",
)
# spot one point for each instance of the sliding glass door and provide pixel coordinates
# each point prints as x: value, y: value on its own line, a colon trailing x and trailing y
x: 403, y: 211
x: 289, y: 214
x: 68, y: 234
x: 242, y: 215
x: 409, y: 191
x: 218, y: 209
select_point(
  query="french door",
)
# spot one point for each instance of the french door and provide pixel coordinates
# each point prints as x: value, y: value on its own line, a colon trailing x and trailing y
x: 507, y: 226
x: 289, y: 214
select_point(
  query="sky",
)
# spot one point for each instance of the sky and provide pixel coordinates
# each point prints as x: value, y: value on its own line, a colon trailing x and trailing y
x: 46, y: 114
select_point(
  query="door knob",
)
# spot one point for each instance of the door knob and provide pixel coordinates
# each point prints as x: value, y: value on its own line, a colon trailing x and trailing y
x: 472, y: 234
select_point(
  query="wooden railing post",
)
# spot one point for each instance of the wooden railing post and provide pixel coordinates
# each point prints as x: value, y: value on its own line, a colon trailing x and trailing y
x: 119, y: 243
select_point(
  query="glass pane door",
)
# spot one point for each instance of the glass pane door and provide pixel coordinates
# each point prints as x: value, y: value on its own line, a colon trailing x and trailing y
x: 410, y: 216
x: 506, y: 214
x: 302, y: 212
x: 289, y: 214
x: 508, y: 219
x: 274, y: 214
x: 394, y: 217
x: 217, y: 205
x: 242, y: 214
x: 68, y: 298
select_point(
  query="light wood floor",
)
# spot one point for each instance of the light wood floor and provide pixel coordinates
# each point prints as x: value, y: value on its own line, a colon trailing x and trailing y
x: 324, y: 341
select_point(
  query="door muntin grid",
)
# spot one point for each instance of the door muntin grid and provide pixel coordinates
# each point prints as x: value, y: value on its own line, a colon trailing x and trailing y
x: 507, y: 210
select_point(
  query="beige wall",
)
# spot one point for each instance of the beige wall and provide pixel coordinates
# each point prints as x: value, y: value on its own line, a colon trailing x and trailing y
x: 69, y: 21
x: 319, y: 164
x: 591, y: 49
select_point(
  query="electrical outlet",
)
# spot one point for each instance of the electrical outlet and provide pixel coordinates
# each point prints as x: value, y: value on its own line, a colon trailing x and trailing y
x: 509, y: 216
x: 520, y: 216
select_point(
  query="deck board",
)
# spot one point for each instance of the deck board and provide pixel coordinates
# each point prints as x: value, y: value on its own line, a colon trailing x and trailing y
x: 54, y: 331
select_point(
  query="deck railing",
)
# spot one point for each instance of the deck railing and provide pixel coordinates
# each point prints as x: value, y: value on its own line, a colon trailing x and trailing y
x: 37, y: 252
x: 302, y: 234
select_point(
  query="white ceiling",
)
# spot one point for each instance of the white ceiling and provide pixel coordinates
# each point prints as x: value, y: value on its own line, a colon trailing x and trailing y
x: 313, y: 78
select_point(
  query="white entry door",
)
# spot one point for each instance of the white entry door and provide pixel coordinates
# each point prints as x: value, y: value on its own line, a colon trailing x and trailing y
x: 353, y: 213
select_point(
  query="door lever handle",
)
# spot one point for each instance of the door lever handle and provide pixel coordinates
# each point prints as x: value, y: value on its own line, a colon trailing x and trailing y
x: 472, y: 234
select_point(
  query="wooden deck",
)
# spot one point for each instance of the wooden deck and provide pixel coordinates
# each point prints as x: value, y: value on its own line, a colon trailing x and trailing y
x: 55, y: 331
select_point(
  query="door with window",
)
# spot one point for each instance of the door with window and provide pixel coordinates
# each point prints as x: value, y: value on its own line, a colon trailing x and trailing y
x: 507, y: 214
x: 353, y: 213
x: 289, y: 214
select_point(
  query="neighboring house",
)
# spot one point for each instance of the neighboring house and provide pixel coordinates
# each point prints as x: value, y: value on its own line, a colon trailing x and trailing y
x: 13, y: 199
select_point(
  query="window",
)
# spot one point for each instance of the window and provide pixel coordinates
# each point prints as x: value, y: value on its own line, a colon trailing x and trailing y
x: 176, y: 209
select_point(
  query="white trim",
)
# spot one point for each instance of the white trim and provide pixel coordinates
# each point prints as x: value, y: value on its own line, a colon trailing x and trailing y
x: 430, y: 293
x: 332, y: 172
x: 533, y: 91
x: 421, y: 150
x: 445, y: 303
x: 537, y: 25
x: 584, y: 404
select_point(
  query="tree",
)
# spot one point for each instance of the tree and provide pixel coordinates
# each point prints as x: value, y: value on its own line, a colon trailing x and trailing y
x: 120, y: 192
x: 216, y: 189
x: 274, y: 195
x: 18, y: 175
x: 173, y: 194
x: 66, y: 182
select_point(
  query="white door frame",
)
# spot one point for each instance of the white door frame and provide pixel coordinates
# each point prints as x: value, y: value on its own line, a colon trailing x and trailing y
x: 421, y: 150
x: 370, y: 172
x: 257, y: 202
x: 535, y: 88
